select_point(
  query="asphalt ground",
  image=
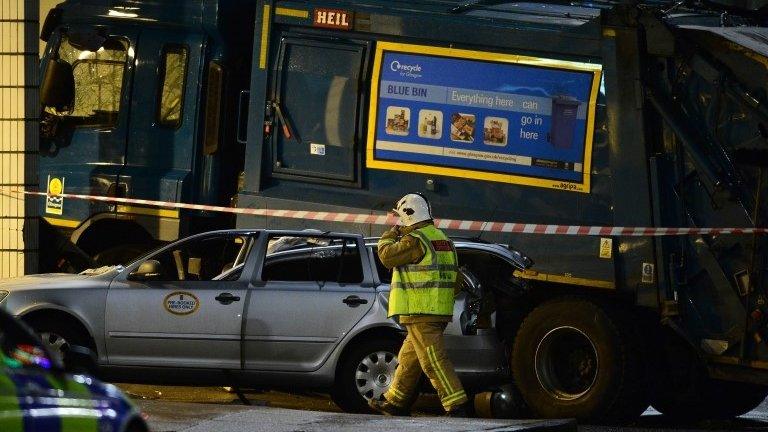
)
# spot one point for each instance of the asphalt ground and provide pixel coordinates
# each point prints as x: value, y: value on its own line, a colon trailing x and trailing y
x: 199, y: 409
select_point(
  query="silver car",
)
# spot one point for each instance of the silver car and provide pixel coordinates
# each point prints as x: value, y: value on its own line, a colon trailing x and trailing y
x: 296, y: 309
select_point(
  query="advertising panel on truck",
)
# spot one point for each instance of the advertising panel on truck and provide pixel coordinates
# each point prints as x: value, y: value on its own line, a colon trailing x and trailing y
x: 481, y: 115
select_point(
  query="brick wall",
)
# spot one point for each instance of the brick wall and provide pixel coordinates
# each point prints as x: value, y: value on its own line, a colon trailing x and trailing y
x: 19, y: 20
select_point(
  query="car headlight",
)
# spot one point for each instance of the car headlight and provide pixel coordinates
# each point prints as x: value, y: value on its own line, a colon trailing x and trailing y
x: 3, y: 295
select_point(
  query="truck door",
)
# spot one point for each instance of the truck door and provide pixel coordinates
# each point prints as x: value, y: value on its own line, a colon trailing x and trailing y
x: 317, y: 108
x: 161, y: 141
x: 308, y: 293
x: 82, y: 143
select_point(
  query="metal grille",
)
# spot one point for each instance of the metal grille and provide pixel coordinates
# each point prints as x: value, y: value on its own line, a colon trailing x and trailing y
x: 19, y: 21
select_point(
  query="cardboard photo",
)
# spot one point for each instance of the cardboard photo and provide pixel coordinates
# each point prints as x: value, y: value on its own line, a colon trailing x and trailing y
x: 495, y: 131
x: 398, y: 120
x: 430, y: 124
x: 463, y: 127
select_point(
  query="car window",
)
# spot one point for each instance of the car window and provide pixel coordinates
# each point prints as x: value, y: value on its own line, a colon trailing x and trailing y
x: 489, y: 268
x: 318, y: 259
x: 385, y: 274
x: 204, y: 258
x: 232, y: 274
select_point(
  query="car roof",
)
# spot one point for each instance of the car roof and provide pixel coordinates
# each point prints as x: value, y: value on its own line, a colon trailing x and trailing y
x: 464, y: 243
x: 281, y: 232
x: 459, y: 242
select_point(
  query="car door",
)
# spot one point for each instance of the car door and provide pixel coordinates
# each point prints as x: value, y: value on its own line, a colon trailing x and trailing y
x: 308, y: 291
x: 185, y: 314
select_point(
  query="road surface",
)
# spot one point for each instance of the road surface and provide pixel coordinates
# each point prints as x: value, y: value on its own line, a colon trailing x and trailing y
x: 193, y: 409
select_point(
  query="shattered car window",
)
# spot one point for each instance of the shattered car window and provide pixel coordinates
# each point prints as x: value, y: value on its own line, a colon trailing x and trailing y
x: 312, y: 259
x: 205, y: 259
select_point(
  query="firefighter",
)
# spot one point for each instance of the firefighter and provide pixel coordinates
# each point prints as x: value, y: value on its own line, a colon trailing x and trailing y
x: 424, y: 276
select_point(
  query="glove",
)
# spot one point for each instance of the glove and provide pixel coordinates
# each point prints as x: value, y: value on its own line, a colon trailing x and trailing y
x: 392, y: 233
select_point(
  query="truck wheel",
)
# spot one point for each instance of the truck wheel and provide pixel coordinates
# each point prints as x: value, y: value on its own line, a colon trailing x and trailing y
x: 682, y: 389
x: 572, y: 358
x: 122, y: 254
x: 710, y: 399
x: 365, y: 372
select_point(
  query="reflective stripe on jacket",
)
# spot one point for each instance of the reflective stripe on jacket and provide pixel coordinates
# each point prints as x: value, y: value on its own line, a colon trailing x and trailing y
x: 427, y: 287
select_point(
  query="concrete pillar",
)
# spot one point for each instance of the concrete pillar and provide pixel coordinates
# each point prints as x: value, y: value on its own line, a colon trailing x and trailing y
x: 19, y: 20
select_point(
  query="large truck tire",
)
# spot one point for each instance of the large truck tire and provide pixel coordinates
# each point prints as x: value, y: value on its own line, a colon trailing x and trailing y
x: 683, y: 390
x: 573, y: 358
x: 121, y: 254
x: 58, y: 254
x: 709, y: 399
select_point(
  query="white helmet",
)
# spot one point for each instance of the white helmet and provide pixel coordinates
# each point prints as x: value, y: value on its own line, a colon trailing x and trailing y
x: 413, y: 208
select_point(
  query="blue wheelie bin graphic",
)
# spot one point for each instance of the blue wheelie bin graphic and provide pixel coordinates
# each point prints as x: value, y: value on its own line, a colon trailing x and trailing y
x: 564, y: 111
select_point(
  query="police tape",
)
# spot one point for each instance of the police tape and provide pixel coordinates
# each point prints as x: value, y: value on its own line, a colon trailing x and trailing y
x: 452, y: 224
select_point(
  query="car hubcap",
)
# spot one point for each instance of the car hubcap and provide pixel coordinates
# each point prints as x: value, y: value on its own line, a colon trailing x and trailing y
x: 374, y: 374
x: 566, y: 363
x: 55, y: 343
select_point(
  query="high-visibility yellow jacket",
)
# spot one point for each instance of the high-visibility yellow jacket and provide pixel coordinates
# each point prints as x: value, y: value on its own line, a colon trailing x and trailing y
x: 427, y: 287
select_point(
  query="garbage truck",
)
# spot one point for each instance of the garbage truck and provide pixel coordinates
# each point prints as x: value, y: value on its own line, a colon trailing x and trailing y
x: 555, y: 113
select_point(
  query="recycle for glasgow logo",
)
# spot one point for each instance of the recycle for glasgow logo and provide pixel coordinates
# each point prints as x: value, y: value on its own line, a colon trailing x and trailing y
x: 407, y: 70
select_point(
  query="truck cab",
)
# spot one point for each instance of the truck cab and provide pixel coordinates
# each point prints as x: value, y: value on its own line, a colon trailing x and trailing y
x: 135, y: 98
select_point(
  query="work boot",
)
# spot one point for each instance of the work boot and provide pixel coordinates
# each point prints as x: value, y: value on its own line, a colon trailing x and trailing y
x: 387, y: 408
x: 460, y: 411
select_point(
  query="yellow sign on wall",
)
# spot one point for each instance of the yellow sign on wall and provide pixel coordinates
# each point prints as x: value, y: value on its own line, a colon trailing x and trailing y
x: 482, y: 115
x: 54, y: 202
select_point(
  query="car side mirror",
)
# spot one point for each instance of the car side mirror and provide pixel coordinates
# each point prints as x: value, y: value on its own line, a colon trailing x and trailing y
x: 58, y: 87
x: 521, y: 260
x: 80, y: 360
x: 148, y: 270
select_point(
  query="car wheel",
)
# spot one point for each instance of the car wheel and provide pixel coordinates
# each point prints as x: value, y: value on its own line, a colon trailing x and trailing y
x: 365, y: 372
x: 574, y: 358
x: 59, y: 336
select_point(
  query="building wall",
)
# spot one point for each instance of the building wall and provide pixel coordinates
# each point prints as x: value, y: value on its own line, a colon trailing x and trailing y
x: 45, y: 6
x: 18, y: 135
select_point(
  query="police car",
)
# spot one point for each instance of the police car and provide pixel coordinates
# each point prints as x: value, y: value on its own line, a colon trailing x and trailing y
x: 267, y: 308
x: 37, y: 394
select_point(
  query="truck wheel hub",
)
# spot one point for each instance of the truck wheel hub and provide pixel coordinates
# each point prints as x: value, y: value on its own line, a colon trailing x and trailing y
x: 566, y: 363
